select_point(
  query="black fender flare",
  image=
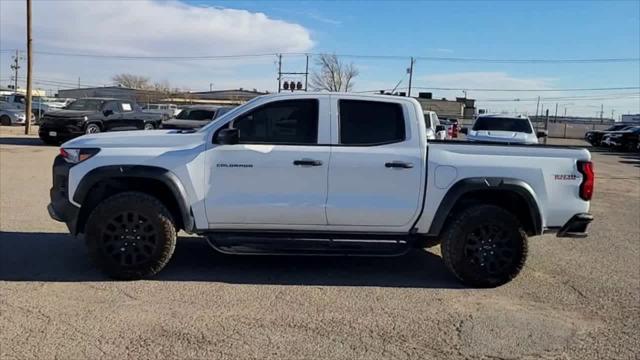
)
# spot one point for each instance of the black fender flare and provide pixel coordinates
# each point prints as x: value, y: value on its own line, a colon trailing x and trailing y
x: 465, y: 186
x: 165, y: 176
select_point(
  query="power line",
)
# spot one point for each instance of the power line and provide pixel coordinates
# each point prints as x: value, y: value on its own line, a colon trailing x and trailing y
x: 511, y: 90
x: 536, y: 90
x: 361, y: 56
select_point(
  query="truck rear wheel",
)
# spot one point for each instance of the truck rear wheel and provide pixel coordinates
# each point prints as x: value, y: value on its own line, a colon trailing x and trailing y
x: 484, y: 246
x: 130, y: 236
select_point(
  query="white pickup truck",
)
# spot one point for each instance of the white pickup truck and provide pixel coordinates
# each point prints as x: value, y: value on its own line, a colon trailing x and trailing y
x: 317, y: 174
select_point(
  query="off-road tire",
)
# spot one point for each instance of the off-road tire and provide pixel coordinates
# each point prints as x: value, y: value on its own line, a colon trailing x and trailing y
x: 92, y: 129
x: 149, y: 126
x: 104, y: 242
x: 477, y: 242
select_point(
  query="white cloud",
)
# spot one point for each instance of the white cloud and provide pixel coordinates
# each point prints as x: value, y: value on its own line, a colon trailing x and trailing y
x: 150, y: 28
x: 486, y: 80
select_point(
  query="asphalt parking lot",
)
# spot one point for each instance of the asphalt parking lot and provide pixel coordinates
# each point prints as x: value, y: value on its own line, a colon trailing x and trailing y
x: 576, y: 298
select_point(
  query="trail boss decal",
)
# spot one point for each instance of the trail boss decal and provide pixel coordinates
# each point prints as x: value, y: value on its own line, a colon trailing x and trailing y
x: 565, y: 176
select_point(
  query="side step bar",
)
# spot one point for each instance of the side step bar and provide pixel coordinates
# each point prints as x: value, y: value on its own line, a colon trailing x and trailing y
x: 311, y: 244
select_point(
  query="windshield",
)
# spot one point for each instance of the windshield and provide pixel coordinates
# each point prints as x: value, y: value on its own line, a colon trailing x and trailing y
x: 196, y: 114
x: 86, y: 104
x: 503, y: 124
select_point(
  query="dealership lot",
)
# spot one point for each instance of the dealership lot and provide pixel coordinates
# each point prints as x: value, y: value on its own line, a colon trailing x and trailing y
x: 577, y: 298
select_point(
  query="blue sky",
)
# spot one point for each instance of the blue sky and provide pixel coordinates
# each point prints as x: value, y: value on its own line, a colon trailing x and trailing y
x: 477, y: 29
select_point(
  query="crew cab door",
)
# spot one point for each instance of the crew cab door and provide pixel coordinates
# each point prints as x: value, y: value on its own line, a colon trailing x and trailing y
x: 377, y: 169
x: 276, y: 175
x: 131, y: 118
x: 112, y: 116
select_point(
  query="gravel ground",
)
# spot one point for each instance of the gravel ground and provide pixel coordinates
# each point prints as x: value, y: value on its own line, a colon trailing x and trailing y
x: 575, y: 299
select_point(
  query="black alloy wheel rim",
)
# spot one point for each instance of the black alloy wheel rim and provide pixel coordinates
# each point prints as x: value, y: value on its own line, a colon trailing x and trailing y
x: 490, y: 249
x: 129, y: 239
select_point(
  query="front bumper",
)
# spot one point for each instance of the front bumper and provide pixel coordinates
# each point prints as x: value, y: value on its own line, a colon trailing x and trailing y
x: 62, y: 132
x: 60, y: 208
x: 576, y: 226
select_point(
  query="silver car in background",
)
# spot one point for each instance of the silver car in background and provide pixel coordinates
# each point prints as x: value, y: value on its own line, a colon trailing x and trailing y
x: 11, y: 115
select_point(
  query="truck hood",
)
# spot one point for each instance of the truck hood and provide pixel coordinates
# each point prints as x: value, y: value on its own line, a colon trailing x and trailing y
x: 138, y: 139
x: 501, y: 136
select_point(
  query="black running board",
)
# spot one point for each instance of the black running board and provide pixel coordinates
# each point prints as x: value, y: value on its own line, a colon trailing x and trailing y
x: 313, y: 244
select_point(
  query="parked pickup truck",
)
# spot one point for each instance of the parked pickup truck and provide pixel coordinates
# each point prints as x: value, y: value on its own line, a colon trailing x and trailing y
x: 318, y: 173
x: 94, y: 115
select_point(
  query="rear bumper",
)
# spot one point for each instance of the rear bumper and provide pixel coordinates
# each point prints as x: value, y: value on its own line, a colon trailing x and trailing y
x: 60, y: 208
x: 576, y: 226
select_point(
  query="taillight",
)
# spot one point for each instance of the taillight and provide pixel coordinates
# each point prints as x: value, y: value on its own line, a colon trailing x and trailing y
x: 588, y: 179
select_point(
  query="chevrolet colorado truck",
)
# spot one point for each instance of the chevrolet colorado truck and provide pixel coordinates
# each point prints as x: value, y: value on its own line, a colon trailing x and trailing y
x: 318, y: 174
x: 94, y: 115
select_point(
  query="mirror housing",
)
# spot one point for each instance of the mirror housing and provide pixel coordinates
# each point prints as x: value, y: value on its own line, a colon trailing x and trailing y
x: 542, y: 133
x: 464, y: 130
x: 440, y: 128
x: 227, y: 136
x: 107, y: 112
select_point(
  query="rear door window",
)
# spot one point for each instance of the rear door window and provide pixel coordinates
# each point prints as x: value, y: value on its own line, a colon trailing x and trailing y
x: 369, y: 123
x: 502, y: 124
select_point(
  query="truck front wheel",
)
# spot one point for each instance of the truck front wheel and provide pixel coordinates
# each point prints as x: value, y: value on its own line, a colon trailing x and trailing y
x: 484, y: 246
x: 130, y: 236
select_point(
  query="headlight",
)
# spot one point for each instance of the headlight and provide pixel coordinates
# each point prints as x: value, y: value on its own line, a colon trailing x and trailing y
x: 86, y: 118
x: 75, y: 156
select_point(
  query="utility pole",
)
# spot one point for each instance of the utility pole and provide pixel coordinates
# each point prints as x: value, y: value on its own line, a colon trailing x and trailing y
x: 15, y: 66
x: 306, y: 74
x: 27, y: 112
x: 410, y: 71
x: 78, y: 82
x: 555, y: 118
x: 279, y: 72
x: 565, y: 111
x: 537, y: 106
x: 210, y: 87
x: 601, y: 113
x: 546, y: 125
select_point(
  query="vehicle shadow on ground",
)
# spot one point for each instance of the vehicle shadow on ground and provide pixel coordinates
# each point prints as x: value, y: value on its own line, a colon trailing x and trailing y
x: 62, y: 258
x: 16, y: 140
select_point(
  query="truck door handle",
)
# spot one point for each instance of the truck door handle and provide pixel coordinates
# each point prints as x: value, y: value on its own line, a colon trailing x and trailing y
x: 307, y: 162
x: 399, y: 164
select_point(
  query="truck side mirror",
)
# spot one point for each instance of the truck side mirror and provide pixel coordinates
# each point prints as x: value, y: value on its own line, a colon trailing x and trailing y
x: 464, y: 130
x: 227, y: 137
x: 440, y: 128
x: 542, y: 133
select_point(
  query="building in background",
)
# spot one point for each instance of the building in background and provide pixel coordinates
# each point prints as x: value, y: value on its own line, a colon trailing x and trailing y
x: 461, y: 108
x: 218, y: 97
x: 630, y: 118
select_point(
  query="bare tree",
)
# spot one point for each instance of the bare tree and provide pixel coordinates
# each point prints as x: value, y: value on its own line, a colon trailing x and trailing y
x: 132, y: 81
x: 162, y: 86
x: 332, y: 74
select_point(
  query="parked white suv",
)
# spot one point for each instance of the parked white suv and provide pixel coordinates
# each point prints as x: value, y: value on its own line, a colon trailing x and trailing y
x: 435, y: 130
x: 503, y: 129
x: 318, y: 173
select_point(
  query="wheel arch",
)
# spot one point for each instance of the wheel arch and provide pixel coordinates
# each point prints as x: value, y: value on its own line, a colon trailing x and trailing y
x: 514, y: 195
x: 103, y: 182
